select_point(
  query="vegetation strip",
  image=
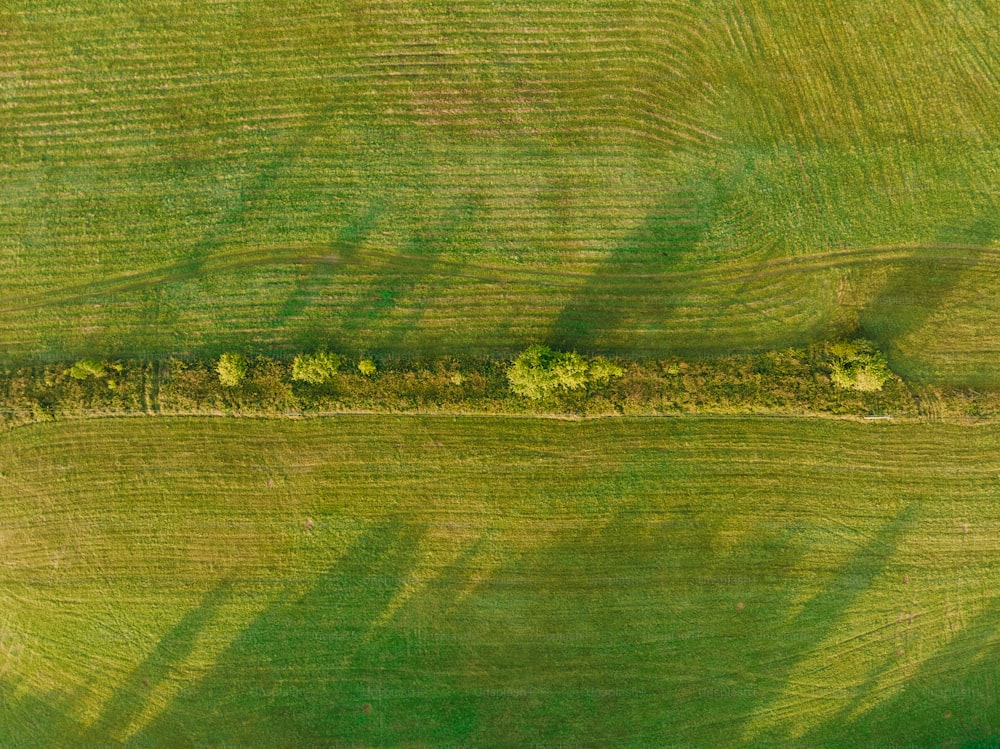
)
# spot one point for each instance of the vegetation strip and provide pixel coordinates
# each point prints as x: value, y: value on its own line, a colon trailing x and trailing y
x: 844, y: 379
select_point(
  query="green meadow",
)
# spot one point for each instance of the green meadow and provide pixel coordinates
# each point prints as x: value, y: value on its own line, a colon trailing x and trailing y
x: 414, y: 581
x: 408, y: 176
x: 657, y: 180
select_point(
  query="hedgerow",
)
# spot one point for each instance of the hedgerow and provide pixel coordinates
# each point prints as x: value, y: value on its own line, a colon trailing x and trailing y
x: 788, y: 382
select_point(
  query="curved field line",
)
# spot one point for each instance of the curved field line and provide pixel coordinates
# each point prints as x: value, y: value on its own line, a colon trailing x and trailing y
x: 735, y: 273
x: 170, y: 273
x: 952, y: 254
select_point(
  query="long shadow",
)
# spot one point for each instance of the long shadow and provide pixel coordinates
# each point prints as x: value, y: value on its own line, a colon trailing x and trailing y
x: 29, y: 720
x: 609, y: 633
x: 315, y: 278
x: 953, y: 700
x: 631, y: 632
x: 302, y: 673
x: 172, y: 650
x: 263, y: 181
x: 801, y: 638
x: 593, y: 639
x: 621, y: 629
x: 593, y: 320
x: 397, y: 336
x: 917, y: 289
x: 617, y: 631
x: 371, y: 322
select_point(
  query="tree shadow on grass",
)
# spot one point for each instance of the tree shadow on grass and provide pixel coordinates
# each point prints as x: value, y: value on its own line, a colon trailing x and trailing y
x: 801, y: 639
x: 632, y: 627
x: 620, y: 630
x: 953, y: 699
x: 608, y: 310
x: 28, y: 720
x: 373, y: 322
x: 172, y: 650
x: 47, y: 721
x: 303, y: 671
x: 315, y: 278
x: 914, y: 292
x: 299, y: 675
x: 919, y: 287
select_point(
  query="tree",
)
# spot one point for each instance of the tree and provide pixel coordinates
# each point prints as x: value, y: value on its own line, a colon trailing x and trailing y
x: 367, y: 367
x: 539, y: 370
x: 530, y: 374
x: 858, y: 365
x: 570, y: 371
x: 315, y: 368
x: 86, y: 368
x: 232, y: 369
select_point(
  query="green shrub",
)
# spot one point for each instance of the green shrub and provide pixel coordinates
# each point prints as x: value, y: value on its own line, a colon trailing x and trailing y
x: 858, y: 365
x: 367, y: 367
x: 85, y: 369
x: 539, y: 370
x: 232, y: 369
x: 570, y: 371
x: 601, y: 370
x: 530, y: 374
x: 315, y: 368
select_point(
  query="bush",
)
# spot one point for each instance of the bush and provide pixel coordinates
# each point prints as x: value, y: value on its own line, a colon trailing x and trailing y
x: 530, y: 374
x: 570, y: 371
x: 539, y: 370
x: 601, y: 370
x: 858, y: 365
x: 85, y: 369
x: 367, y: 367
x: 315, y: 368
x: 232, y: 369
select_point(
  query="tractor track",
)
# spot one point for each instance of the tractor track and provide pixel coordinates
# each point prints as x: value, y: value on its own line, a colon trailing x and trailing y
x: 945, y: 255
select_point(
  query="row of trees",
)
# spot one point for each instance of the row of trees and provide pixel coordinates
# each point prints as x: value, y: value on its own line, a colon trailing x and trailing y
x: 844, y: 378
x: 314, y: 369
x: 540, y: 371
x: 537, y: 372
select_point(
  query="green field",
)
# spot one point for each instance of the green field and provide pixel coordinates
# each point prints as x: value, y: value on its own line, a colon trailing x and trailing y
x: 420, y: 176
x: 499, y: 582
x: 435, y: 182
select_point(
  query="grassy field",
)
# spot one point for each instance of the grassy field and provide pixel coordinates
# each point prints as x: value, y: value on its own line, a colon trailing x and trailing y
x: 499, y: 582
x: 665, y: 178
x: 420, y: 176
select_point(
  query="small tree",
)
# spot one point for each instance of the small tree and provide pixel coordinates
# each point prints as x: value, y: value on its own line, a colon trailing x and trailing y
x: 367, y: 367
x: 539, y: 370
x: 85, y: 369
x: 315, y: 368
x: 858, y: 365
x: 232, y: 369
x: 570, y: 371
x: 530, y: 374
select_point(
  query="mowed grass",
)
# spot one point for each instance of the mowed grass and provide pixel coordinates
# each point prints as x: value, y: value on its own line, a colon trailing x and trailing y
x: 413, y: 176
x: 499, y: 582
